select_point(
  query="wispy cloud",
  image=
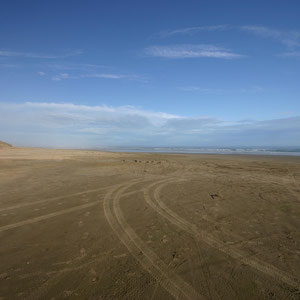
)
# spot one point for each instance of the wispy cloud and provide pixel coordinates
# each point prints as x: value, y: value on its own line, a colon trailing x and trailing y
x: 201, y: 89
x: 113, y: 76
x: 71, y: 125
x: 9, y: 66
x: 288, y: 38
x: 252, y: 89
x: 104, y: 75
x: 73, y: 66
x: 41, y: 73
x: 191, y: 51
x: 60, y: 76
x: 193, y: 30
x: 128, y: 109
x: 291, y: 54
x: 38, y: 55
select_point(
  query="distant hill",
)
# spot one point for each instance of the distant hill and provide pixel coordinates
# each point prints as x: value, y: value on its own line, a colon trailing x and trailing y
x: 4, y: 145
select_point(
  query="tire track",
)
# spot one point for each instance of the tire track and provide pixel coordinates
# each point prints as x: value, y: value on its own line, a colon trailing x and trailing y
x: 201, y: 235
x: 54, y: 198
x: 48, y: 216
x: 40, y: 292
x: 160, y: 271
x: 295, y: 190
x: 51, y: 215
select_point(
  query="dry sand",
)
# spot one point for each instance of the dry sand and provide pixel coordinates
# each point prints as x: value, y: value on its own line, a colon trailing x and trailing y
x: 100, y: 225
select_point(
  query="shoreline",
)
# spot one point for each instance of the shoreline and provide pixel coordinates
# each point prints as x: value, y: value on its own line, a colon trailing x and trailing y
x: 39, y: 150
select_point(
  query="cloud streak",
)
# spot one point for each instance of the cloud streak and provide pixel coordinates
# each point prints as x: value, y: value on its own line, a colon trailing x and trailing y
x: 193, y: 30
x: 38, y: 55
x: 252, y: 89
x: 290, y: 39
x: 112, y: 76
x: 73, y: 66
x: 291, y: 54
x: 83, y: 126
x: 190, y: 51
x: 12, y: 66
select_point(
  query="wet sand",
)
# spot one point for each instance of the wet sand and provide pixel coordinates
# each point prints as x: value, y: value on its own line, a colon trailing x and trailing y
x: 102, y: 225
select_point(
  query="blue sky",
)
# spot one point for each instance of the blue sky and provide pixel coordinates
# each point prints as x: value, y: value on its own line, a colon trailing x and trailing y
x: 150, y: 73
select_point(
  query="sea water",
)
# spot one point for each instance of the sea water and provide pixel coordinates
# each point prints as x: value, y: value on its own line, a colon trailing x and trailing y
x: 290, y: 151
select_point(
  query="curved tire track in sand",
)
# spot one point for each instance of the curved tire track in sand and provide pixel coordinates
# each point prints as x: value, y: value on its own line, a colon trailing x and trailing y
x: 160, y: 271
x: 170, y: 215
x: 41, y: 291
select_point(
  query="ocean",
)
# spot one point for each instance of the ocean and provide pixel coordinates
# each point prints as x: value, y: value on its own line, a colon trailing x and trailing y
x: 289, y: 151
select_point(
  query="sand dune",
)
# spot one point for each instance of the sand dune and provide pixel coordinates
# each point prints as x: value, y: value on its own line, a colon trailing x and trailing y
x: 4, y: 145
x: 102, y: 225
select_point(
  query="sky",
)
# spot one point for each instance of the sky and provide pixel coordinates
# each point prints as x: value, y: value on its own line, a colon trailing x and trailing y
x: 85, y: 74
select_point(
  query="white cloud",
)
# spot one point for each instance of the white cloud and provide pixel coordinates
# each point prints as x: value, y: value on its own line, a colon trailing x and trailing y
x: 73, y: 66
x: 190, y: 51
x: 64, y: 75
x: 95, y: 130
x: 104, y: 75
x: 38, y: 55
x: 42, y: 73
x: 201, y: 89
x: 252, y: 89
x: 193, y: 30
x: 288, y: 38
x: 61, y: 76
x: 291, y: 54
x: 113, y: 76
x: 72, y: 125
x: 9, y: 66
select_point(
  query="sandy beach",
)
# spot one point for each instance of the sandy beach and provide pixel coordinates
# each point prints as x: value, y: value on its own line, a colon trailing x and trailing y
x: 80, y: 224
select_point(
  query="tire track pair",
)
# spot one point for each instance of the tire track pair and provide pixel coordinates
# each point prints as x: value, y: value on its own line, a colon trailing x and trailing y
x: 42, y: 290
x: 48, y: 216
x: 55, y: 198
x: 201, y: 235
x: 55, y: 214
x: 160, y: 271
